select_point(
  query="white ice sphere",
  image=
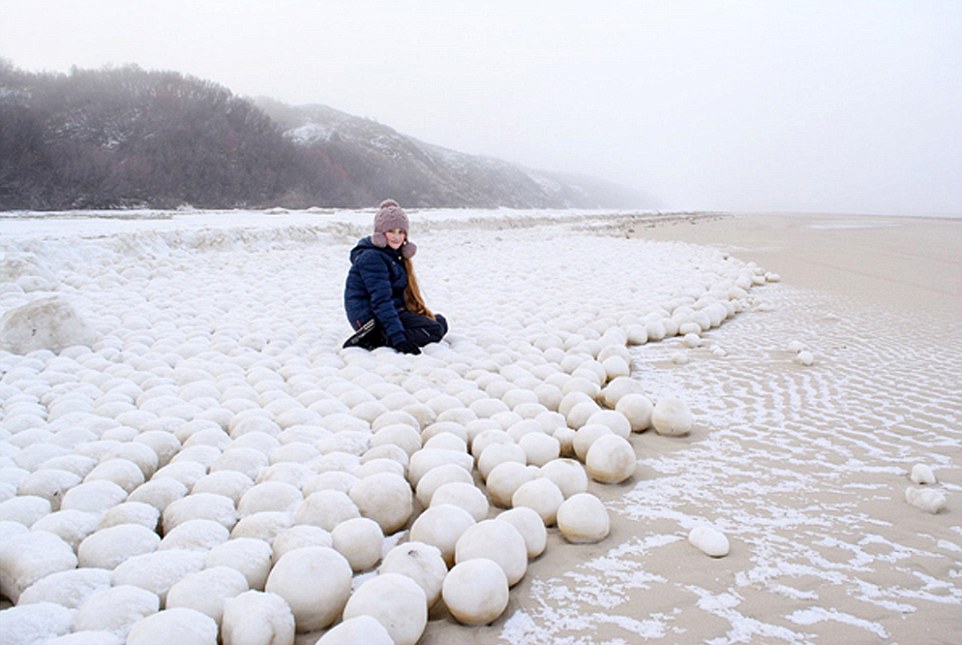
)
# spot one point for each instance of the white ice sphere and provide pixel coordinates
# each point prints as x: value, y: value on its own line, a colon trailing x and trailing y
x: 225, y: 482
x: 531, y: 527
x: 464, y: 495
x: 671, y: 417
x: 131, y: 513
x: 476, y: 591
x: 46, y: 323
x: 158, y: 571
x: 270, y: 496
x: 298, y: 537
x: 421, y: 562
x: 326, y: 509
x: 331, y: 480
x: 709, y: 540
x: 315, y: 582
x: 637, y: 408
x: 110, y: 546
x: 93, y: 496
x: 250, y: 556
x: 805, y: 358
x: 68, y: 588
x: 692, y: 340
x: 568, y: 474
x: 610, y: 459
x: 25, y: 558
x: 922, y: 474
x: 35, y: 623
x: 926, y: 499
x: 396, y: 601
x: 441, y: 527
x: 49, y: 484
x: 86, y: 638
x: 178, y: 625
x: 359, y: 629
x: 618, y: 388
x: 680, y: 358
x: 122, y: 472
x: 795, y: 346
x: 207, y: 590
x: 583, y: 519
x: 25, y: 509
x: 504, y: 479
x: 437, y: 477
x: 386, y: 498
x: 540, y: 448
x: 265, y: 525
x: 257, y: 618
x: 360, y: 540
x: 498, y: 541
x: 614, y: 420
x: 399, y: 434
x: 587, y: 435
x: 159, y: 492
x: 578, y: 416
x: 206, y: 506
x: 615, y: 367
x: 542, y: 495
x: 116, y: 610
x: 195, y: 535
x: 427, y: 458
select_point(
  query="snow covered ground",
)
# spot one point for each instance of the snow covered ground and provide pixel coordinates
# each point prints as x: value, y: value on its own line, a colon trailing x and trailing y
x: 197, y: 396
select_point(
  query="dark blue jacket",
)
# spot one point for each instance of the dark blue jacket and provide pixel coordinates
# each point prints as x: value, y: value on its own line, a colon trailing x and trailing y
x: 375, y: 288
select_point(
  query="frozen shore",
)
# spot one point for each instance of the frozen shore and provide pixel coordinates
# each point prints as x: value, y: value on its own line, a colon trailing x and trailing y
x: 813, y: 398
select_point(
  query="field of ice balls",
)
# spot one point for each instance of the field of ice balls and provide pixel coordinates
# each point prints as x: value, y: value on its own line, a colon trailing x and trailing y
x: 187, y: 455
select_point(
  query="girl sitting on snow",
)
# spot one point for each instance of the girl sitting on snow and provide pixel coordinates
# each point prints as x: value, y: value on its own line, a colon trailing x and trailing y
x: 381, y: 296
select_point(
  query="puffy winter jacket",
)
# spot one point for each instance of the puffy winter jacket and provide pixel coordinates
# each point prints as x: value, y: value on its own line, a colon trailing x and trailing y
x: 375, y: 288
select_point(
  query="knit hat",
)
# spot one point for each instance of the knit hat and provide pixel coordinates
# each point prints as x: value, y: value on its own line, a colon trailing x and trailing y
x: 390, y: 216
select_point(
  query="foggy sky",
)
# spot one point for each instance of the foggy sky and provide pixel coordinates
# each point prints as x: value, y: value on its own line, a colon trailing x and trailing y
x: 831, y: 106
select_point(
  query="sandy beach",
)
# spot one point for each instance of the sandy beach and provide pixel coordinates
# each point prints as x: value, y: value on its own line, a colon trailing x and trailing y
x: 803, y: 467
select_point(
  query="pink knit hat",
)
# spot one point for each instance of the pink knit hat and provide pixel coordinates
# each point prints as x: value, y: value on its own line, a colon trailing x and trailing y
x: 390, y: 216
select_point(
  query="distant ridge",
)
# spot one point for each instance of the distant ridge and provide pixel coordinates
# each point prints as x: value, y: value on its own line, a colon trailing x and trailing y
x: 129, y: 138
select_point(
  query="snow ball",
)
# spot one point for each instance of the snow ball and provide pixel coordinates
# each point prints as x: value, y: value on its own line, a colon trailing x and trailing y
x: 428, y: 458
x: 86, y: 638
x: 805, y: 358
x: 709, y: 540
x: 228, y: 483
x: 476, y: 591
x: 34, y: 623
x: 116, y: 610
x: 387, y: 451
x: 505, y: 478
x: 421, y: 562
x: 441, y: 526
x: 610, y: 459
x: 540, y: 448
x: 298, y: 537
x: 71, y: 526
x: 255, y: 618
x: 326, y: 509
x: 315, y: 582
x: 249, y: 461
x: 195, y: 535
x: 926, y: 499
x: 93, y: 496
x: 795, y: 346
x: 447, y: 441
x: 922, y: 474
x: 359, y: 629
x: 615, y: 421
x: 531, y: 527
x: 692, y: 340
x: 618, y: 388
x: 48, y: 483
x: 615, y: 366
x: 270, y: 496
x: 250, y: 556
x: 395, y: 417
x: 139, y: 454
x: 542, y: 495
x: 486, y: 438
x: 571, y: 399
x: 671, y: 417
x: 68, y: 588
x: 567, y: 474
x: 360, y: 541
x: 680, y: 358
x: 437, y: 477
x: 28, y: 557
x: 206, y: 591
x: 637, y: 408
x: 24, y: 509
x: 265, y: 525
x: 578, y: 416
x: 186, y: 472
x: 200, y: 506
x: 587, y: 435
x: 395, y: 601
x: 582, y: 519
x: 464, y: 495
x: 499, y: 453
x: 402, y: 435
x: 159, y: 492
x: 130, y: 513
x: 498, y: 541
x: 111, y: 546
x: 158, y: 571
x: 179, y: 625
x: 46, y: 323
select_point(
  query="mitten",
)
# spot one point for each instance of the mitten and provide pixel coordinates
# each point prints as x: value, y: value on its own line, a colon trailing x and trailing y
x: 407, y: 347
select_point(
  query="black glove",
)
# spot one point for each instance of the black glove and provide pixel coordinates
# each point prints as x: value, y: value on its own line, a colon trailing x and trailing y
x: 407, y: 347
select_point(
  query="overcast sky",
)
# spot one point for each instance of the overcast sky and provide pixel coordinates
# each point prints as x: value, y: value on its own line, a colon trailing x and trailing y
x: 836, y: 105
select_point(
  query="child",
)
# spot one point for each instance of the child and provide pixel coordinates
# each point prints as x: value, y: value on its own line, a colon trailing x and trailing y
x: 381, y: 296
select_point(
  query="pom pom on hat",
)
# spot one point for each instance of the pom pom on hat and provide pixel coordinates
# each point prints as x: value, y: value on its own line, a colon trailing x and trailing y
x: 390, y: 216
